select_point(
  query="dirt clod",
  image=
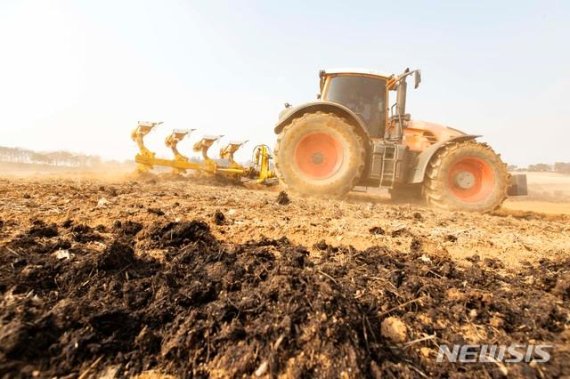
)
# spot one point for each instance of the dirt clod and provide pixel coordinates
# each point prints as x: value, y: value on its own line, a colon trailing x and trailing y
x: 118, y: 255
x: 40, y: 229
x: 377, y: 231
x: 128, y: 228
x: 180, y: 233
x: 416, y: 245
x: 394, y: 329
x: 399, y: 232
x: 156, y: 211
x: 283, y: 198
x: 84, y: 233
x: 219, y: 217
x: 451, y: 238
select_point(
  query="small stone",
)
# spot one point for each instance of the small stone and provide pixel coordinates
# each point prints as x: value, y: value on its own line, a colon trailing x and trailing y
x: 426, y: 352
x: 102, y: 203
x: 63, y: 254
x: 394, y: 329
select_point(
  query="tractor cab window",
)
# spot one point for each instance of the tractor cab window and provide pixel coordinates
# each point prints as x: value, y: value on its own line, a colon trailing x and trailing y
x: 365, y: 96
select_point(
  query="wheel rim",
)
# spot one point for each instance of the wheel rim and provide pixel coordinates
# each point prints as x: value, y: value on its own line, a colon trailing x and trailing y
x: 319, y: 155
x: 471, y: 179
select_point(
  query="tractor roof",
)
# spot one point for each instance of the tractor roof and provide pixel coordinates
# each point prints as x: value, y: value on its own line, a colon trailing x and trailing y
x: 358, y: 71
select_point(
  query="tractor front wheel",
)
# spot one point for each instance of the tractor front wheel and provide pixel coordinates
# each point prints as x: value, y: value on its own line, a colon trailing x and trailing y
x: 319, y: 154
x: 466, y: 176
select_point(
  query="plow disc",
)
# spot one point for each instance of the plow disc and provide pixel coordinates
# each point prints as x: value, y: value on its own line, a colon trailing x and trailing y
x: 146, y: 160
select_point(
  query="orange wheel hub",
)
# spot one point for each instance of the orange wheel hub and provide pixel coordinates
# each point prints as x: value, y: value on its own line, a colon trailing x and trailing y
x: 319, y: 155
x: 471, y: 179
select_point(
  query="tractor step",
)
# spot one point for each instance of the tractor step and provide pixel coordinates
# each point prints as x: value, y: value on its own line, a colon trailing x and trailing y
x: 387, y: 163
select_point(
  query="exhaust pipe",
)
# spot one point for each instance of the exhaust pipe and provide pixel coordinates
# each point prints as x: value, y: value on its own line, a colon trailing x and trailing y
x: 400, y: 109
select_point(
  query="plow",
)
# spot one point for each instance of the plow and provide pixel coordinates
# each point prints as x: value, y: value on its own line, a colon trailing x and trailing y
x: 226, y: 166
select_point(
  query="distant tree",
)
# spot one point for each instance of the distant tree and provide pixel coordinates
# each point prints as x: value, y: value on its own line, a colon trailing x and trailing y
x: 512, y: 167
x: 540, y: 167
x: 562, y: 167
x: 15, y: 154
x: 95, y: 160
x: 38, y: 158
x: 66, y: 158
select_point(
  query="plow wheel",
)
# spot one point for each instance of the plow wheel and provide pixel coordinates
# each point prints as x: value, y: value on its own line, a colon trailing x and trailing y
x: 466, y: 176
x: 319, y: 154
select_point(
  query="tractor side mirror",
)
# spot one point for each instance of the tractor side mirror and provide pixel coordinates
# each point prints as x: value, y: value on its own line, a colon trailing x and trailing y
x: 417, y: 78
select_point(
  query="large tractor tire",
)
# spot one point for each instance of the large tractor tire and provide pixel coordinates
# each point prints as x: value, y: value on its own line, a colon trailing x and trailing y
x: 319, y: 154
x: 466, y: 176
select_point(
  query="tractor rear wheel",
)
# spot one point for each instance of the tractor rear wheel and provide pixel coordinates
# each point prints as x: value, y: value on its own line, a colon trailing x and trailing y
x: 466, y: 176
x: 319, y: 154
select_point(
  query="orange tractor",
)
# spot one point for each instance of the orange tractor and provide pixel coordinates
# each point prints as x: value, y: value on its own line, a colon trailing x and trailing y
x: 351, y: 136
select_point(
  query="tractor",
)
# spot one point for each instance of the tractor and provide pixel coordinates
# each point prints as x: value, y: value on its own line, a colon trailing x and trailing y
x: 352, y: 136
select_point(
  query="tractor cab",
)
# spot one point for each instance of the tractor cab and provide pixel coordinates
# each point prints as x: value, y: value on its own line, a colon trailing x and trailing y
x: 365, y: 93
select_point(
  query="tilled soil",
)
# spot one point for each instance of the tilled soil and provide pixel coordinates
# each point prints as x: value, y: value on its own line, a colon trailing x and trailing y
x: 137, y: 283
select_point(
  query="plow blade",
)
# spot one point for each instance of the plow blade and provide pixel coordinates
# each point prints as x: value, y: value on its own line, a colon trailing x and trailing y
x: 146, y: 159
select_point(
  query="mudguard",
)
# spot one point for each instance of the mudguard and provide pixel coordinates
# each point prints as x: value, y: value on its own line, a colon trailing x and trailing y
x: 418, y: 172
x: 323, y: 106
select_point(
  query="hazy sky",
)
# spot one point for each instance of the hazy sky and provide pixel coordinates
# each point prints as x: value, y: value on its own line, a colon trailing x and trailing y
x: 78, y: 75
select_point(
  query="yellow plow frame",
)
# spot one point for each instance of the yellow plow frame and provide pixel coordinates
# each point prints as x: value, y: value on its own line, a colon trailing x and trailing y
x: 146, y: 160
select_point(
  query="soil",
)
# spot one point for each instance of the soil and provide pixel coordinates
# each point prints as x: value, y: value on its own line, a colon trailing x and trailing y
x: 221, y: 281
